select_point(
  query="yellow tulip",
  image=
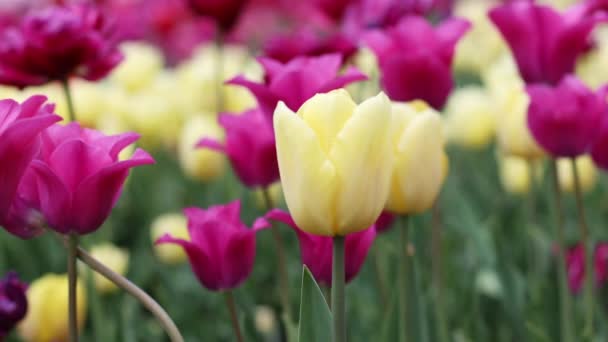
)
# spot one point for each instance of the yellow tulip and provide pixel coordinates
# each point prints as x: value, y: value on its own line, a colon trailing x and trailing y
x: 140, y: 66
x: 176, y: 225
x: 586, y: 171
x: 276, y: 195
x: 366, y: 61
x: 470, y: 119
x: 421, y: 163
x: 198, y: 163
x: 591, y: 67
x: 514, y: 174
x: 335, y: 160
x: 47, y: 315
x: 116, y: 259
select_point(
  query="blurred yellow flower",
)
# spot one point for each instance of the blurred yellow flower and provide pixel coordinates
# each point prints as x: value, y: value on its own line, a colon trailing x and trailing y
x: 116, y: 259
x: 470, y: 120
x: 176, y: 225
x: 514, y: 174
x: 47, y: 316
x: 141, y: 65
x: 276, y: 195
x: 201, y: 163
x: 335, y: 160
x: 421, y: 163
x: 591, y: 67
x: 586, y: 171
x: 365, y: 60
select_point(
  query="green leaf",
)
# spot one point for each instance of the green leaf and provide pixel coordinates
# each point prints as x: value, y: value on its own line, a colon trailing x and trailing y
x: 315, y: 316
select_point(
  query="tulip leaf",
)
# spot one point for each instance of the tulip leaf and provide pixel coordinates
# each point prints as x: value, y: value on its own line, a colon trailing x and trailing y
x: 315, y: 316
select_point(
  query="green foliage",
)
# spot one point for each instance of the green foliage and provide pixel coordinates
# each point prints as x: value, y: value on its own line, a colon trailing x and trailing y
x: 315, y: 317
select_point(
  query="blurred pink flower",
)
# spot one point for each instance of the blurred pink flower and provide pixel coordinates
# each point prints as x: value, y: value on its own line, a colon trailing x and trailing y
x: 56, y: 43
x: 224, y: 12
x: 575, y: 263
x: 221, y: 248
x: 317, y: 251
x: 385, y: 221
x: 250, y: 146
x: 13, y: 303
x: 415, y: 58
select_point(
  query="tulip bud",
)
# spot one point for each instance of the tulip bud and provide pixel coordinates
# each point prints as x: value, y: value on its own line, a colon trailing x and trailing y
x: 586, y: 171
x: 140, y: 66
x: 514, y: 174
x: 47, y: 317
x: 174, y: 224
x: 116, y: 259
x: 201, y: 164
x: 470, y: 119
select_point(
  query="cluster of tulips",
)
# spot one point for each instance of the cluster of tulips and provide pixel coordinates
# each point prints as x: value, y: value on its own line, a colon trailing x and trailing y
x: 341, y: 117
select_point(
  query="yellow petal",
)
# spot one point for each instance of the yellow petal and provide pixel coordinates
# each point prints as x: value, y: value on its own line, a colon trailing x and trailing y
x: 307, y: 176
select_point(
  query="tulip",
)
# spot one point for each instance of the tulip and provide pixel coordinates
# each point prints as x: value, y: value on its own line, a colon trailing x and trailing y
x: 80, y: 176
x: 333, y: 9
x: 116, y: 259
x: 545, y: 43
x: 141, y: 65
x: 47, y: 317
x: 57, y: 43
x: 575, y: 262
x: 564, y: 119
x: 174, y: 224
x: 284, y: 48
x: 586, y: 172
x: 590, y: 66
x: 317, y: 251
x: 274, y: 191
x: 416, y: 58
x: 13, y: 303
x: 20, y: 128
x: 470, y: 119
x: 224, y: 12
x: 250, y: 146
x: 221, y: 248
x: 514, y: 174
x: 203, y: 165
x: 335, y: 160
x: 384, y: 222
x: 599, y: 148
x: 297, y: 81
x: 421, y: 163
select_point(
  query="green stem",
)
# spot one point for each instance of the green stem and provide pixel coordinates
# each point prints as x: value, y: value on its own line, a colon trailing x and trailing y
x: 403, y: 243
x: 338, y: 306
x: 587, y: 250
x: 378, y: 273
x: 233, y: 315
x: 564, y: 295
x: 65, y: 84
x: 436, y: 260
x: 219, y: 71
x: 72, y: 283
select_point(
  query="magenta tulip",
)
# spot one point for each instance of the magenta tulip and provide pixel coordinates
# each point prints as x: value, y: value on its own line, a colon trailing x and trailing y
x: 316, y: 251
x: 575, y: 263
x: 20, y: 128
x: 57, y: 43
x: 224, y: 12
x: 306, y: 42
x: 385, y: 221
x: 221, y: 248
x: 564, y: 119
x: 13, y: 303
x: 297, y: 81
x: 545, y: 43
x: 80, y: 177
x: 416, y: 58
x: 250, y: 146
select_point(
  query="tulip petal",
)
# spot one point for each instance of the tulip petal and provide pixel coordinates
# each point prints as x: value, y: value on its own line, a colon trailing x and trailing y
x: 351, y: 75
x: 54, y: 197
x: 266, y: 99
x: 74, y: 160
x: 212, y: 144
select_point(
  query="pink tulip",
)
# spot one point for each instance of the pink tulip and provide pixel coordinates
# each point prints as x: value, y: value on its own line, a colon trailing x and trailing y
x: 297, y: 81
x: 80, y: 177
x: 385, y: 221
x: 564, y: 119
x: 575, y: 263
x: 250, y: 146
x: 306, y: 42
x: 224, y: 12
x: 221, y: 248
x: 13, y: 303
x: 416, y: 58
x: 317, y: 251
x: 599, y: 148
x: 20, y: 128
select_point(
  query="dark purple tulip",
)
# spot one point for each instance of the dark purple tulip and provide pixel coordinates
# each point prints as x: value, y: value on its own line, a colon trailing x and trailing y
x: 57, y: 43
x: 564, y: 119
x: 385, y: 221
x: 250, y: 146
x: 306, y: 42
x: 13, y: 303
x: 297, y: 81
x: 224, y: 12
x: 416, y: 58
x: 545, y: 43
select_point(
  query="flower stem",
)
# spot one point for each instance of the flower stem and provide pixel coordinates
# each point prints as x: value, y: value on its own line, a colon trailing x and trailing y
x: 587, y: 250
x: 402, y: 264
x: 436, y: 263
x: 72, y: 282
x: 566, y: 306
x: 233, y: 315
x: 281, y: 259
x: 338, y: 306
x: 219, y: 71
x: 65, y: 84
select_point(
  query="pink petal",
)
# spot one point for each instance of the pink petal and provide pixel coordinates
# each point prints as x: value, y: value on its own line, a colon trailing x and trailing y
x: 211, y: 144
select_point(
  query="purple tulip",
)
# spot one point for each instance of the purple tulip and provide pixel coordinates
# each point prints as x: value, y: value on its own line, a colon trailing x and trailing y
x: 221, y: 248
x: 225, y: 12
x: 575, y: 263
x: 316, y: 251
x: 306, y: 42
x: 385, y: 222
x: 57, y: 43
x: 416, y: 58
x: 80, y: 177
x: 564, y: 119
x: 250, y: 146
x: 20, y: 128
x: 545, y: 43
x: 13, y: 303
x: 599, y: 148
x: 297, y: 81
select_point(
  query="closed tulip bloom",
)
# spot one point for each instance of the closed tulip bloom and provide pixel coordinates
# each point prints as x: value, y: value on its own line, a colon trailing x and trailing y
x: 13, y: 303
x: 201, y: 164
x: 20, y: 129
x: 221, y: 248
x: 575, y: 263
x: 316, y: 251
x: 514, y: 174
x: 141, y: 65
x: 385, y: 221
x: 297, y: 81
x: 116, y: 259
x: 47, y: 316
x: 174, y: 224
x: 224, y: 12
x: 599, y: 148
x: 416, y: 58
x: 80, y: 176
x: 335, y: 160
x: 586, y: 171
x: 250, y: 146
x: 564, y: 119
x: 306, y: 42
x: 545, y: 43
x: 470, y: 118
x: 421, y: 163
x: 57, y: 43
